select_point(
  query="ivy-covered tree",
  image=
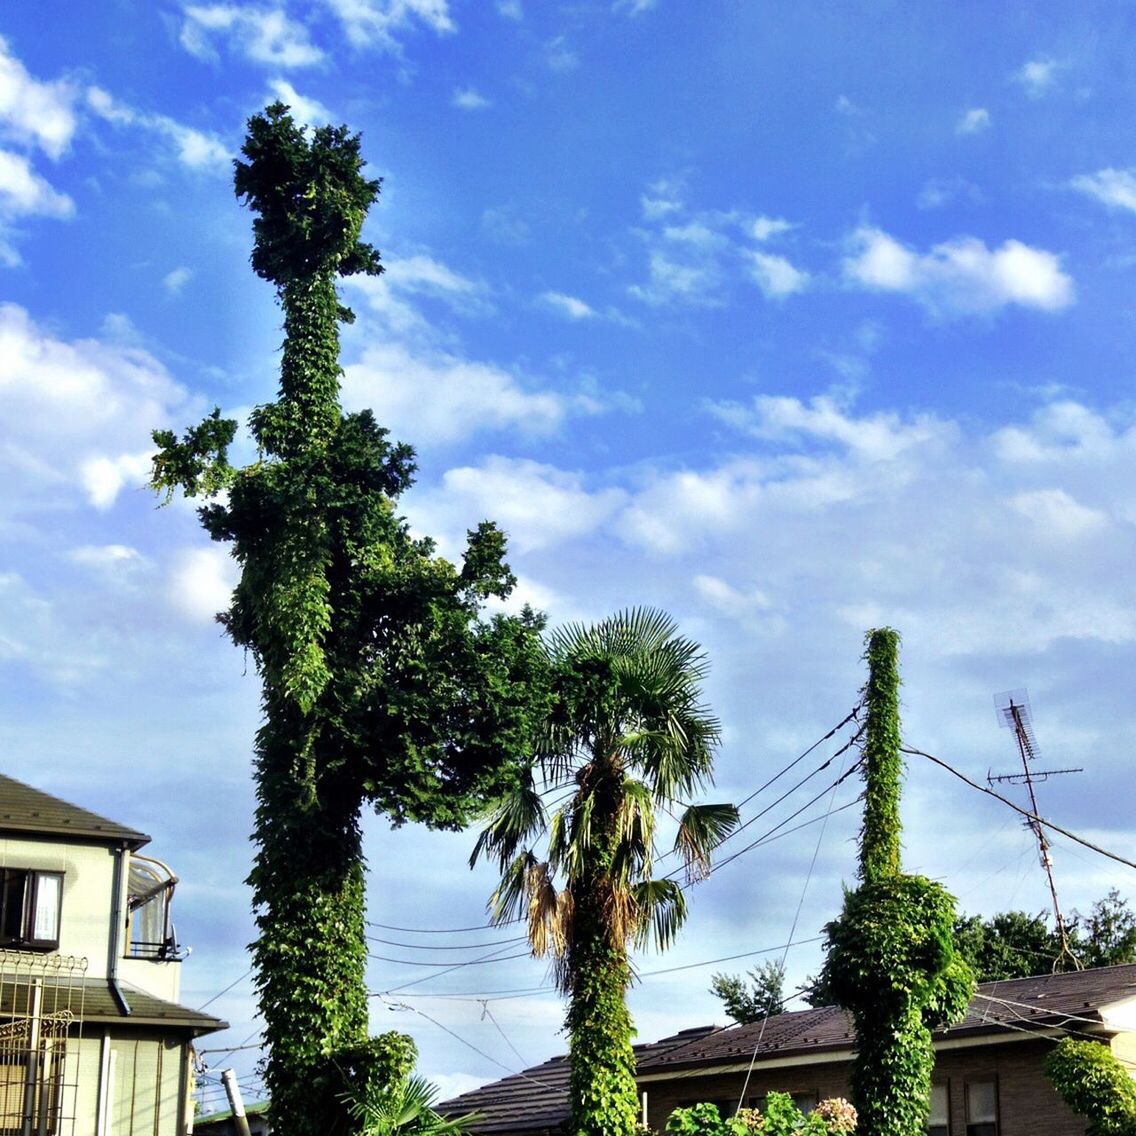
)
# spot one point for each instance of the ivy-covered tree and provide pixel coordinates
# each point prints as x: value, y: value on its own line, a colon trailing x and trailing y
x: 626, y: 735
x: 891, y: 960
x: 381, y: 683
x: 761, y: 997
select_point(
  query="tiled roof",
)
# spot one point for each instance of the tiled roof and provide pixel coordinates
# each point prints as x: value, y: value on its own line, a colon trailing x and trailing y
x: 92, y: 1000
x: 27, y: 810
x: 997, y: 1007
x: 537, y: 1099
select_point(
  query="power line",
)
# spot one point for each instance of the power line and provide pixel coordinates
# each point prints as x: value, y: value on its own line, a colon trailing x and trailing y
x: 457, y: 947
x: 808, y: 804
x: 1018, y: 809
x: 235, y: 982
x: 801, y: 757
x: 440, y: 930
x: 451, y: 966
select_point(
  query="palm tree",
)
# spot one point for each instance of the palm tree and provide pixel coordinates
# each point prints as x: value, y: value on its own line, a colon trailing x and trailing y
x: 626, y: 735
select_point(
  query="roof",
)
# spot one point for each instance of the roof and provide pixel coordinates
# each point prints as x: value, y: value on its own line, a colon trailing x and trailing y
x: 92, y: 1000
x: 537, y: 1099
x: 1048, y: 1000
x: 32, y: 811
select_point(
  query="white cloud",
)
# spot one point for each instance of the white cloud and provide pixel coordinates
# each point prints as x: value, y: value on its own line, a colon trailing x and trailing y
x: 263, y: 35
x: 1115, y: 188
x: 961, y: 276
x: 76, y: 417
x: 568, y: 306
x: 24, y: 193
x: 374, y: 23
x: 466, y: 98
x: 193, y: 148
x: 973, y: 121
x: 34, y: 112
x: 310, y: 112
x: 937, y: 192
x: 1037, y: 77
x: 511, y: 10
x: 440, y: 397
x: 387, y: 296
x: 634, y: 7
x: 201, y: 582
x: 113, y: 562
x: 176, y: 279
x: 663, y: 197
x: 776, y: 277
x: 1057, y: 514
x: 671, y: 279
x: 560, y: 57
x: 765, y: 227
x: 537, y: 505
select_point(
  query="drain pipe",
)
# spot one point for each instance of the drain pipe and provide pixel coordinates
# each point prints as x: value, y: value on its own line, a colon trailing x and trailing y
x: 117, y: 925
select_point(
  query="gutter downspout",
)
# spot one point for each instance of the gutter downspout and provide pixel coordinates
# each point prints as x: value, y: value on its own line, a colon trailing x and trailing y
x: 117, y: 923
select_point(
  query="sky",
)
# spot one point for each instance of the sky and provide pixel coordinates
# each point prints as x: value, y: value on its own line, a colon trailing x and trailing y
x: 792, y: 321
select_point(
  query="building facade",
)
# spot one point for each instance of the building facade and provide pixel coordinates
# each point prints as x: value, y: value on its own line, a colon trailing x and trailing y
x: 93, y: 1041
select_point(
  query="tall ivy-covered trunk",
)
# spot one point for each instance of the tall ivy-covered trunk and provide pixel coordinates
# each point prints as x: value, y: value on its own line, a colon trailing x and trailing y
x: 602, y: 1091
x: 603, y: 1098
x: 310, y: 955
x: 381, y: 683
x: 891, y: 959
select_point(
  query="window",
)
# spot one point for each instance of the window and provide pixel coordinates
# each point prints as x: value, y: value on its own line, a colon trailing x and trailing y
x: 30, y: 1083
x: 30, y: 903
x: 149, y: 890
x: 939, y: 1114
x: 982, y: 1107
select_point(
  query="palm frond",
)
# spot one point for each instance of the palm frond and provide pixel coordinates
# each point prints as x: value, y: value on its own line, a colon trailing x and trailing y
x: 661, y: 912
x: 701, y: 829
x: 515, y: 820
x: 509, y: 900
x: 546, y: 932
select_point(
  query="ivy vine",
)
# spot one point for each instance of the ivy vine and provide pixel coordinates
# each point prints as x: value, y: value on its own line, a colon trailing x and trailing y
x: 891, y: 959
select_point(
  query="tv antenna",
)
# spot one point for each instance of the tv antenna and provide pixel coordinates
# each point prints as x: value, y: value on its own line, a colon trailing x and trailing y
x: 1014, y: 713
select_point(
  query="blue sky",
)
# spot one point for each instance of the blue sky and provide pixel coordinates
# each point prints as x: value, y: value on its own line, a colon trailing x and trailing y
x: 793, y: 323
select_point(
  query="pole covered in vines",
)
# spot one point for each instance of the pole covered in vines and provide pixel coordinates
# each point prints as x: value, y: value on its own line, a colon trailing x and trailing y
x: 381, y: 684
x: 891, y: 958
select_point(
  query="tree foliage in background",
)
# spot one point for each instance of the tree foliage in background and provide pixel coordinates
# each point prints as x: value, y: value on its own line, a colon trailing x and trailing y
x: 891, y: 960
x: 762, y: 997
x: 381, y: 684
x: 626, y: 735
x: 1095, y: 1084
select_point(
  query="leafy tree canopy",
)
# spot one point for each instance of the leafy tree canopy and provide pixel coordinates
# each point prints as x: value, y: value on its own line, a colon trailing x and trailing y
x: 762, y: 997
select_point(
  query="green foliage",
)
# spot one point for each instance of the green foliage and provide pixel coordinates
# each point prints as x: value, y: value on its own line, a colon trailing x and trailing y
x: 762, y: 997
x: 883, y: 767
x: 891, y: 960
x: 780, y: 1117
x: 625, y: 732
x: 382, y: 684
x: 1012, y: 944
x: 1106, y: 936
x: 1094, y: 1083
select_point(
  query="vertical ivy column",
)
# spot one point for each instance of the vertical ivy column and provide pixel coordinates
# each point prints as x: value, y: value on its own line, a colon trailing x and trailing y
x: 381, y: 685
x: 891, y: 958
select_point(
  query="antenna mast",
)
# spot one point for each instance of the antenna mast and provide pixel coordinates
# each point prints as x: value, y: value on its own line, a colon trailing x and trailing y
x: 1013, y: 709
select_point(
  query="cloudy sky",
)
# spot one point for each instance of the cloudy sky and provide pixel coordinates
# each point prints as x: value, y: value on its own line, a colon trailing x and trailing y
x: 793, y: 323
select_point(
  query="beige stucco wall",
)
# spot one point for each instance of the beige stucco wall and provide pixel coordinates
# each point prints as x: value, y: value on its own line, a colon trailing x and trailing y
x: 147, y: 1075
x: 87, y: 906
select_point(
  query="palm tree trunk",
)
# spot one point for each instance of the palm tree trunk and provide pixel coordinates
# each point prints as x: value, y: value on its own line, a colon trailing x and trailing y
x: 602, y: 1093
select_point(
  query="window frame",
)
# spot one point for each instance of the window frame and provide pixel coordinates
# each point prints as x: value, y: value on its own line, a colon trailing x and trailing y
x: 23, y: 925
x: 939, y: 1126
x: 982, y: 1126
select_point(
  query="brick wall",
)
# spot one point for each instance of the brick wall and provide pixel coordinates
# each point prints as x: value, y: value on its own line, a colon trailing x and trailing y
x: 1028, y: 1105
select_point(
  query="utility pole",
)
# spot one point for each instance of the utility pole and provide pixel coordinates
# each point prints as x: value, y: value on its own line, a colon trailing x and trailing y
x: 1014, y: 713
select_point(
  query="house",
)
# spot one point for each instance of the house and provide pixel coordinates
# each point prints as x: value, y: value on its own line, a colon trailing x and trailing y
x: 93, y: 1041
x: 988, y: 1078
